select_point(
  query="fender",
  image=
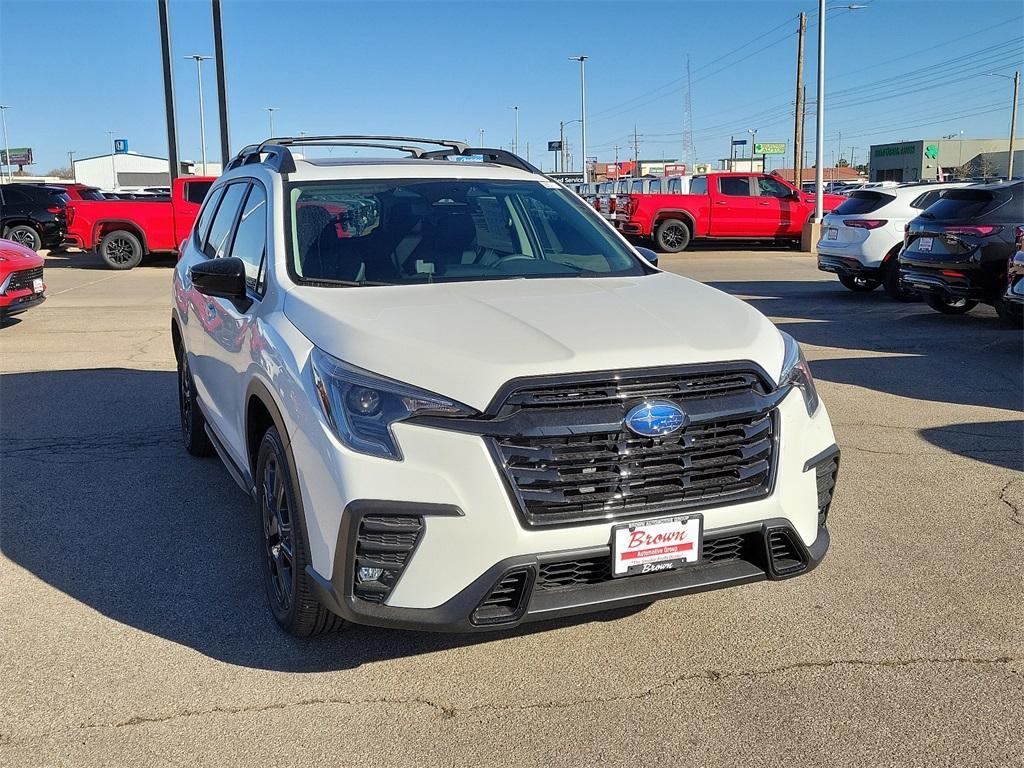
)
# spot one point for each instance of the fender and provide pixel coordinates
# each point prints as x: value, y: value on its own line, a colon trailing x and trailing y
x: 131, y: 226
x: 687, y: 215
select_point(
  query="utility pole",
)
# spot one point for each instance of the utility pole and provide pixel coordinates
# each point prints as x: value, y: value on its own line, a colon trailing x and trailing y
x: 561, y: 146
x: 7, y: 147
x: 113, y: 168
x: 798, y: 116
x: 583, y: 111
x: 852, y: 164
x: 1013, y: 123
x: 840, y: 145
x: 732, y: 151
x: 198, y: 59
x: 71, y: 163
x: 636, y: 152
x: 165, y: 56
x: 222, y: 87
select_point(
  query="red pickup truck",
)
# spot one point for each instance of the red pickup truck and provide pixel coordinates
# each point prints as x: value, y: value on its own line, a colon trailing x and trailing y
x: 753, y: 206
x: 123, y: 231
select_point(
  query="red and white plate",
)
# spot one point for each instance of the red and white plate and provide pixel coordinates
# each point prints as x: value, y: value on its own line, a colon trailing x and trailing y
x: 656, y: 545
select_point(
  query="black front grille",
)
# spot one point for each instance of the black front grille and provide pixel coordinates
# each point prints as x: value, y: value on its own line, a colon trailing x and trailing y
x: 672, y: 386
x: 826, y: 473
x: 23, y: 278
x: 587, y: 476
x: 567, y: 574
x: 383, y: 545
x: 506, y: 601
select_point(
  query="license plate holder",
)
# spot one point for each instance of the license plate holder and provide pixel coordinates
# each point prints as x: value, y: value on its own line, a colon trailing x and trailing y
x: 37, y: 285
x: 663, y: 544
x: 924, y: 244
x: 832, y: 233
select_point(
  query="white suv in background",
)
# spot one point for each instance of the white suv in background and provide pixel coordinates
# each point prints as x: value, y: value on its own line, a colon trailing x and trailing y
x: 861, y: 239
x: 461, y: 400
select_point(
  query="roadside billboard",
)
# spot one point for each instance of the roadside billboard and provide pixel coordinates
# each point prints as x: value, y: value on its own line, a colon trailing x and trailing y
x: 18, y: 156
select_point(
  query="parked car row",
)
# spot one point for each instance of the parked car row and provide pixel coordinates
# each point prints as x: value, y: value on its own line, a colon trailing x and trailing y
x: 954, y: 244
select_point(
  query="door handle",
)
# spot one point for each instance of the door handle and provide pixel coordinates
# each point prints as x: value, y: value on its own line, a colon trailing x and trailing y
x: 763, y: 203
x: 720, y: 202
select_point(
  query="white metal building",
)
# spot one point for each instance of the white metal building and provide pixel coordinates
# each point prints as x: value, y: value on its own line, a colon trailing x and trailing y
x: 133, y: 171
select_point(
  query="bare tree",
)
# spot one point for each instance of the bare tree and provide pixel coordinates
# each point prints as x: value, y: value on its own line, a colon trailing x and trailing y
x: 60, y: 173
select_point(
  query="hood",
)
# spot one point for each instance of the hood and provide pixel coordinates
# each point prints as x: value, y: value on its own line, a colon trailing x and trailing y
x: 15, y: 257
x: 464, y: 340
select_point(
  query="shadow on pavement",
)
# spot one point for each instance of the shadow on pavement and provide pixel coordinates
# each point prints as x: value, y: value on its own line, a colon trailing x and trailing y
x: 969, y: 360
x: 78, y: 259
x: 1000, y: 443
x: 102, y: 503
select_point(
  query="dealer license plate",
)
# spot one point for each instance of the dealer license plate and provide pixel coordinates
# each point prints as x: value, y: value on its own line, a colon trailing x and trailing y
x: 925, y: 244
x: 656, y: 545
x: 37, y: 285
x: 832, y: 233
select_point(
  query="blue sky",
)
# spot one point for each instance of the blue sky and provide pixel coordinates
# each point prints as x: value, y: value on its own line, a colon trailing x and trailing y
x: 899, y: 69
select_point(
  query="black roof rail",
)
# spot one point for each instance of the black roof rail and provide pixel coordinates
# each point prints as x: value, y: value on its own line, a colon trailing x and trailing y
x: 280, y: 158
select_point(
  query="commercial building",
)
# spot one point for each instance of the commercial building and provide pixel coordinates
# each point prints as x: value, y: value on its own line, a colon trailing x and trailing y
x: 931, y: 159
x: 126, y: 171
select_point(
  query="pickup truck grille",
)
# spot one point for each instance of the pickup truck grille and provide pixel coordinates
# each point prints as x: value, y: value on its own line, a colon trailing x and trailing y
x: 600, y: 475
x: 23, y: 278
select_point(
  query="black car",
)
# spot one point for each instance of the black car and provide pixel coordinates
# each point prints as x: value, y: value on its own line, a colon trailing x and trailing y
x: 33, y: 215
x: 955, y: 253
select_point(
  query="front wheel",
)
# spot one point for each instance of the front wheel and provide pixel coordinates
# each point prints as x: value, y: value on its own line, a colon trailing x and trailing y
x: 121, y: 249
x: 283, y: 549
x: 672, y: 236
x: 859, y: 284
x: 949, y: 305
x: 25, y: 235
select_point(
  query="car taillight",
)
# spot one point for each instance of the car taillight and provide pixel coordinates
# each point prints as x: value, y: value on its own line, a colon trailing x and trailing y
x: 71, y: 213
x: 612, y: 204
x: 952, y: 273
x: 866, y: 223
x: 54, y: 209
x: 982, y: 230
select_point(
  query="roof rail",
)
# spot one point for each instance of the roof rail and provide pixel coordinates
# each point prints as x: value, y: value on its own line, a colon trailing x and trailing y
x: 280, y: 158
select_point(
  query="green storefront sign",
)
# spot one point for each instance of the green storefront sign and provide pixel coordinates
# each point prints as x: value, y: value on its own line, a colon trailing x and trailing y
x: 770, y: 149
x: 897, y: 149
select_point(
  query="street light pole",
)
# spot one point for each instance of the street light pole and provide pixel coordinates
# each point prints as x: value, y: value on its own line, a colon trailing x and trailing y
x: 7, y: 147
x: 481, y: 137
x: 583, y: 111
x: 819, y: 136
x: 202, y: 118
x: 753, y: 141
x: 113, y: 166
x: 71, y: 162
x: 270, y: 111
x: 515, y: 138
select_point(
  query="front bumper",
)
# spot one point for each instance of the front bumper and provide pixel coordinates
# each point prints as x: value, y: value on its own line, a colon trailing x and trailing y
x: 19, y: 301
x: 768, y: 550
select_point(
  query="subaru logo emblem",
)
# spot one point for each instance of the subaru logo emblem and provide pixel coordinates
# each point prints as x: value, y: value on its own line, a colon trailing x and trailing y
x: 655, y: 418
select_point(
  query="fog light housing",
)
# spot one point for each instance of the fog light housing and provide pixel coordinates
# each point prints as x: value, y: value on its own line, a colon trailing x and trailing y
x: 369, y: 574
x: 383, y: 546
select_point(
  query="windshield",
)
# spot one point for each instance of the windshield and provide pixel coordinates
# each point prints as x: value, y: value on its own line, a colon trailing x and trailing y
x: 394, y: 232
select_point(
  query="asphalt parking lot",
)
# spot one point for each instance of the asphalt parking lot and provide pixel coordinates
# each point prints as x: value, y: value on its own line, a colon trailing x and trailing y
x: 135, y: 630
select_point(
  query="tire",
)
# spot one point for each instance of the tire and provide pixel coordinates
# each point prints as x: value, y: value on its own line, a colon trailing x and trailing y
x: 672, y: 236
x: 859, y: 284
x: 193, y: 425
x: 893, y: 287
x: 283, y: 549
x: 1010, y: 313
x: 24, y: 234
x: 121, y: 249
x: 947, y: 305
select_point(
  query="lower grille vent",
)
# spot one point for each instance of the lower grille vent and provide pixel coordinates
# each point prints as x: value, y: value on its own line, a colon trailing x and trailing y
x: 826, y: 473
x: 507, y: 601
x: 785, y: 555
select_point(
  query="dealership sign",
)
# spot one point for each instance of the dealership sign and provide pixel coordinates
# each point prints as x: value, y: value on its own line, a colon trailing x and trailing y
x: 554, y: 146
x: 895, y: 149
x: 121, y: 146
x: 16, y: 156
x: 778, y: 148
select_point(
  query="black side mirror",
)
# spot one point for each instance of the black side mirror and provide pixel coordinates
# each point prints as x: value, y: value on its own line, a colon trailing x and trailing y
x: 648, y: 254
x: 223, y: 278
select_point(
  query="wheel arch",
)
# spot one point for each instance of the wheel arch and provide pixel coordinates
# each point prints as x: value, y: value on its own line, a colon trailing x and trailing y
x: 19, y: 221
x: 105, y: 226
x: 261, y: 413
x: 675, y: 213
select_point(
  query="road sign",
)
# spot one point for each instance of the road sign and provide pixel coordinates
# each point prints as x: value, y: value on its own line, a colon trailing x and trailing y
x: 778, y: 148
x: 738, y: 142
x: 554, y: 146
x: 121, y: 146
x: 18, y: 156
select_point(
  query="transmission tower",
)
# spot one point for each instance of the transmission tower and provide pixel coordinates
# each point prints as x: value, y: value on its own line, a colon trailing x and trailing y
x: 689, y: 151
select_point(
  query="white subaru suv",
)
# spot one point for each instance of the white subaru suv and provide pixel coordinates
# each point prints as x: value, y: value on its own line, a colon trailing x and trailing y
x: 862, y: 238
x: 462, y: 401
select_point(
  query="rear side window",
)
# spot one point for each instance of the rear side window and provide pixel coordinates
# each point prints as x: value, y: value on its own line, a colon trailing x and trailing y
x: 195, y: 191
x: 926, y: 200
x: 958, y: 204
x: 863, y: 202
x: 699, y: 186
x: 224, y: 219
x: 734, y: 186
x: 637, y: 187
x: 675, y: 186
x: 206, y: 215
x: 90, y: 194
x: 655, y: 187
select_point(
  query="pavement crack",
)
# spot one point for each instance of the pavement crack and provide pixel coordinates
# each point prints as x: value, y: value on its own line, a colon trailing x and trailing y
x: 446, y: 712
x: 1015, y: 512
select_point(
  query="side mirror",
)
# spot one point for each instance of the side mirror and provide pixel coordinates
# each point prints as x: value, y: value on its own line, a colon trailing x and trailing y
x: 222, y: 278
x: 796, y: 195
x: 648, y: 254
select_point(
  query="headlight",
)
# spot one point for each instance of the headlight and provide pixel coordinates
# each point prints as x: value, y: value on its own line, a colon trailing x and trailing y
x: 361, y: 407
x: 795, y: 372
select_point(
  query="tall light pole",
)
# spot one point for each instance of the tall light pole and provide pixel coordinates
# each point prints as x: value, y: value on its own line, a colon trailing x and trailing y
x: 1013, y: 116
x: 819, y: 138
x: 753, y: 140
x: 583, y: 112
x: 202, y: 119
x: 7, y: 147
x: 113, y: 167
x: 515, y: 140
x: 270, y: 112
x: 71, y: 162
x: 481, y: 137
